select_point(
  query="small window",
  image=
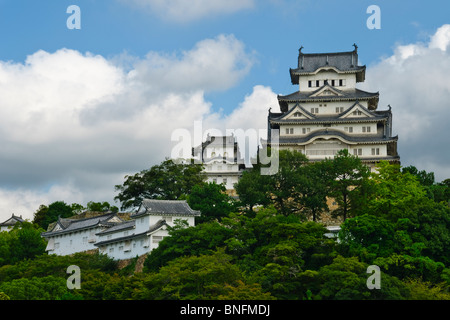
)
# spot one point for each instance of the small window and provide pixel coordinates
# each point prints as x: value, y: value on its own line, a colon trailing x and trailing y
x: 297, y: 114
x: 305, y: 130
x: 314, y: 110
x: 317, y: 83
x: 289, y: 130
x: 342, y: 82
x: 309, y: 83
x: 375, y: 151
x: 333, y: 82
x: 339, y: 109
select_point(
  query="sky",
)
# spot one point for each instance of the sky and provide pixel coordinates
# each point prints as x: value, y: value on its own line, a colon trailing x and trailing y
x: 81, y: 108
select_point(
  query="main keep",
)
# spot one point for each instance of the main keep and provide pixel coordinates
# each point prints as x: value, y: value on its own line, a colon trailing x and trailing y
x: 328, y: 113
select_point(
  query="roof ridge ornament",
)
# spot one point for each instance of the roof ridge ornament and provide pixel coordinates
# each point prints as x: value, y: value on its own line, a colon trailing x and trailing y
x: 300, y: 53
x: 356, y: 47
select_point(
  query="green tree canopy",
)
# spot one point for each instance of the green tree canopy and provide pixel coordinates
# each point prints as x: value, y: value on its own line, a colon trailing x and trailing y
x: 348, y: 184
x: 168, y: 181
x: 46, y: 215
x: 396, y: 194
x: 211, y: 200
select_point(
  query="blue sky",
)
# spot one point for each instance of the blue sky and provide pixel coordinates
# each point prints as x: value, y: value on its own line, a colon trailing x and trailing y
x: 273, y: 29
x: 82, y: 108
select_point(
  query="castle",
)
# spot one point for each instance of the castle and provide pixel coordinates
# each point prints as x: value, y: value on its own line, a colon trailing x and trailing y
x: 326, y: 114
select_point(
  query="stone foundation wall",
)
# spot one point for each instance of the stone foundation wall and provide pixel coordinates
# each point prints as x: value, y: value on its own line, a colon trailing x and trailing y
x: 139, y: 263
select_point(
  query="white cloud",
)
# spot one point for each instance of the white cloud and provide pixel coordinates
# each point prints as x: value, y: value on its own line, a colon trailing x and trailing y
x: 415, y: 82
x: 72, y: 124
x: 185, y: 11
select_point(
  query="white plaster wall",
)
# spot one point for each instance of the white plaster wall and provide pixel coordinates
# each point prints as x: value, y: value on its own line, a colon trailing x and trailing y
x: 78, y: 241
x: 350, y: 80
x: 357, y: 128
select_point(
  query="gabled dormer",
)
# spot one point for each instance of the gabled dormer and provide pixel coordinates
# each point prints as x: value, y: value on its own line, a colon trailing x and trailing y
x: 297, y: 113
x: 357, y: 110
x: 326, y: 91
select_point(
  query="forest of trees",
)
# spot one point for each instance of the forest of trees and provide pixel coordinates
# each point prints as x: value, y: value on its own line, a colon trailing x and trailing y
x: 269, y: 244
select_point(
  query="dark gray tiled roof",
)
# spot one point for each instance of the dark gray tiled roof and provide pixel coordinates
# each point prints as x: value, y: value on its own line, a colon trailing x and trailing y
x: 159, y: 224
x: 326, y: 119
x: 12, y: 221
x: 70, y: 225
x: 346, y: 95
x: 166, y: 207
x: 120, y: 226
x: 343, y: 61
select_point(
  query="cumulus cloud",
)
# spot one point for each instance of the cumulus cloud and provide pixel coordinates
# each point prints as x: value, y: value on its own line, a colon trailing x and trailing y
x: 415, y: 82
x: 186, y: 11
x: 72, y: 124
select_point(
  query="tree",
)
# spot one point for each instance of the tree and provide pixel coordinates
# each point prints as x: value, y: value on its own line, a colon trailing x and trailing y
x: 40, y: 215
x: 425, y: 178
x: 396, y: 194
x: 211, y: 200
x: 279, y: 189
x: 314, y: 188
x: 46, y: 215
x: 349, y: 183
x: 197, y: 240
x: 46, y: 288
x: 202, y: 277
x: 251, y: 189
x: 283, y: 185
x: 167, y: 181
x: 26, y: 242
x: 367, y: 237
x: 101, y: 207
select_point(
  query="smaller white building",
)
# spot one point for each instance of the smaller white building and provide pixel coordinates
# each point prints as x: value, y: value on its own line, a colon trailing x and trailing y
x: 221, y: 159
x: 147, y: 228
x: 119, y: 239
x: 68, y: 236
x: 10, y: 223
